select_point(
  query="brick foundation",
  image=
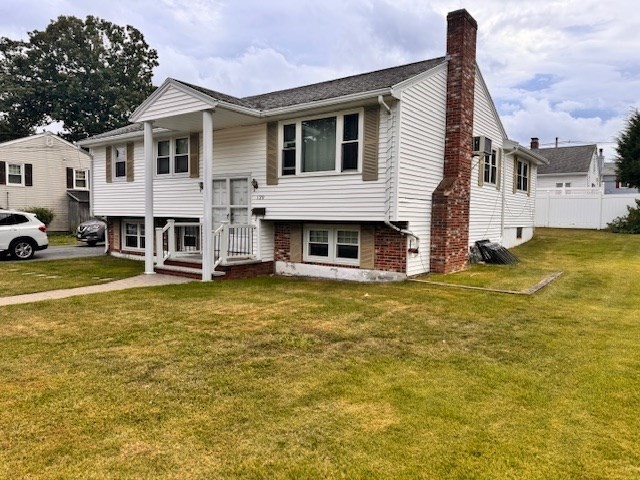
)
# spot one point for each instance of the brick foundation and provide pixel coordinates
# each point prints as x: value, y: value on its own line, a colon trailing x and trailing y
x: 390, y: 250
x: 247, y: 270
x: 390, y: 247
x: 451, y: 199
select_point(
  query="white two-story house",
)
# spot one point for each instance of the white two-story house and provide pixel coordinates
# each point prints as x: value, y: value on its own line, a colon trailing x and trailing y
x: 382, y: 175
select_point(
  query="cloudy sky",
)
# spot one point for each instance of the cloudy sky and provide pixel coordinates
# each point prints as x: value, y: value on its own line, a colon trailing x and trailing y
x: 565, y: 68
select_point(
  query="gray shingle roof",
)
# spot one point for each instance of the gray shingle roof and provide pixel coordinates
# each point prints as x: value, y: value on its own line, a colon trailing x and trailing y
x: 566, y: 159
x: 609, y: 168
x: 134, y: 127
x: 365, y: 82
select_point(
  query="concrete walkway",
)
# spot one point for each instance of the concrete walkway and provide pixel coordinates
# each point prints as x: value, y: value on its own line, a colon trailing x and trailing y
x: 125, y: 284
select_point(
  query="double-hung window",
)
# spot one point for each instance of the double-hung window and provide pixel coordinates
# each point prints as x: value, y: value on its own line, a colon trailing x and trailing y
x: 134, y: 235
x: 491, y: 168
x: 120, y: 161
x: 80, y: 179
x: 522, y: 176
x: 172, y: 156
x: 15, y: 174
x: 332, y: 244
x: 331, y: 144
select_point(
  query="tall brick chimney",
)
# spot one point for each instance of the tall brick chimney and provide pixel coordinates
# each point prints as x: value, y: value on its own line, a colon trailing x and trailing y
x: 535, y: 143
x: 451, y: 199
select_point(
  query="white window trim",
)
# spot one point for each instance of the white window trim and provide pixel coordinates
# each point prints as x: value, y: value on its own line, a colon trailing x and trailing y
x: 333, y: 239
x: 172, y: 157
x: 123, y: 235
x: 339, y: 135
x: 86, y: 179
x: 22, y: 174
x: 114, y: 176
x: 518, y: 175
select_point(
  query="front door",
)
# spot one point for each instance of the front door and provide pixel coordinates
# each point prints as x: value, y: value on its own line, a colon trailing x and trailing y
x: 230, y: 201
x: 231, y: 205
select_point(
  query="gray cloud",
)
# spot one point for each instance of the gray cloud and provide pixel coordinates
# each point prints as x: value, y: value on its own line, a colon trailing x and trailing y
x: 566, y: 69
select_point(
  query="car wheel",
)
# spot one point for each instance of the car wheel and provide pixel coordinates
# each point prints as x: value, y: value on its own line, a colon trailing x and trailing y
x: 23, y: 249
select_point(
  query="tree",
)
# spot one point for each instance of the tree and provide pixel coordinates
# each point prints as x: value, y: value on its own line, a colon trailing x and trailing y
x: 89, y: 74
x: 628, y: 150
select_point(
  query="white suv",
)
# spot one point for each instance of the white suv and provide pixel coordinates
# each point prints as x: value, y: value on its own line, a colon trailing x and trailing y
x: 21, y: 234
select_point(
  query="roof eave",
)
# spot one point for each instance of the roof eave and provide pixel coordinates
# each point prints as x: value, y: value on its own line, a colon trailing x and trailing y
x: 299, y: 107
x: 124, y: 136
x: 511, y: 148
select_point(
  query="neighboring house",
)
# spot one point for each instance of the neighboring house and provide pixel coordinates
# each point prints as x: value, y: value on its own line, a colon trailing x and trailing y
x: 569, y: 167
x: 611, y: 182
x: 372, y: 176
x: 45, y: 171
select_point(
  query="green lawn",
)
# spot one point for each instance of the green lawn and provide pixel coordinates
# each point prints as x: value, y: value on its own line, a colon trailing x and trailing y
x: 60, y: 239
x: 287, y: 378
x: 29, y: 277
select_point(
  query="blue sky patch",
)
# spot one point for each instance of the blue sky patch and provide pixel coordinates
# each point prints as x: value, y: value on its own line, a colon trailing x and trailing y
x: 540, y: 81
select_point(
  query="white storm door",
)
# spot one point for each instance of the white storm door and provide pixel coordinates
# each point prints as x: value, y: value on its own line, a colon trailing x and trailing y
x: 231, y: 201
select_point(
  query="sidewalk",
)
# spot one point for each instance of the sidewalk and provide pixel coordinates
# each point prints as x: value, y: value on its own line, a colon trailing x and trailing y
x: 125, y: 284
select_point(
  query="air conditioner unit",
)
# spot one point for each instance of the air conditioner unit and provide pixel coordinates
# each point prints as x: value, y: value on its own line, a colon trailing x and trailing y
x: 481, y: 146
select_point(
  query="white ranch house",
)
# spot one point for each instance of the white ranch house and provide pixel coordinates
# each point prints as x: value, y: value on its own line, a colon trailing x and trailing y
x: 367, y: 177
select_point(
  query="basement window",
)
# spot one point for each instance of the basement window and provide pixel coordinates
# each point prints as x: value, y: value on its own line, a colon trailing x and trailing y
x: 332, y: 244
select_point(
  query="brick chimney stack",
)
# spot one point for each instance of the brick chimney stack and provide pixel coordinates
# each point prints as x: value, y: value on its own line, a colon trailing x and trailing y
x: 535, y: 143
x: 451, y: 199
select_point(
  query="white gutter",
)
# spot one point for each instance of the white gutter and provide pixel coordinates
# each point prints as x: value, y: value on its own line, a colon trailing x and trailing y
x: 325, y: 103
x: 387, y: 213
x: 122, y: 136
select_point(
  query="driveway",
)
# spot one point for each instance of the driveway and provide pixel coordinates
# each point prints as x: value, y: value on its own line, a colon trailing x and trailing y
x: 63, y: 252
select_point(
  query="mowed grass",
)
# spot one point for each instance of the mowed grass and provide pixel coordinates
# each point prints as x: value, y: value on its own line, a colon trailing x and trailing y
x: 17, y: 278
x: 58, y: 239
x: 288, y: 378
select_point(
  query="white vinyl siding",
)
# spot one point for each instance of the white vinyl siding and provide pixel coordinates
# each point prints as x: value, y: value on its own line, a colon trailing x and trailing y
x: 49, y: 157
x: 421, y: 154
x: 321, y: 196
x: 171, y: 103
x: 486, y: 199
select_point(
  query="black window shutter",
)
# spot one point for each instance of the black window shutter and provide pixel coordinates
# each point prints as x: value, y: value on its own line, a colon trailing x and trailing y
x: 3, y: 173
x: 28, y: 175
x: 69, y: 178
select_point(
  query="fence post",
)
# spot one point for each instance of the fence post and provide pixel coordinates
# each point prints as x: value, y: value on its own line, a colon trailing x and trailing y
x: 600, y: 200
x: 224, y: 242
x: 159, y: 248
x: 171, y: 241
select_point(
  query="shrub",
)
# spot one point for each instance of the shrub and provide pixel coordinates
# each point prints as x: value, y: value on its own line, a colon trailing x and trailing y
x: 45, y: 215
x: 628, y: 224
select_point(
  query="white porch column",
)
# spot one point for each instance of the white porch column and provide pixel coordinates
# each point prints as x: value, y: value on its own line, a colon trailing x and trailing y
x: 207, y: 195
x: 148, y: 199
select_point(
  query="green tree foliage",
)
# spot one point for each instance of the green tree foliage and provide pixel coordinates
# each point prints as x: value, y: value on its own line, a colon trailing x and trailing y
x: 628, y: 150
x: 89, y: 74
x: 628, y: 224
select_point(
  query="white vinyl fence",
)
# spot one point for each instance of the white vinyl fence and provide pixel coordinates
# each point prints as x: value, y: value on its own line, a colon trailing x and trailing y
x: 580, y: 208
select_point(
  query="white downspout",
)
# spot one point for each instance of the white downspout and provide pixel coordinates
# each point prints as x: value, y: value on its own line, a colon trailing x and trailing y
x: 388, y: 190
x: 504, y: 190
